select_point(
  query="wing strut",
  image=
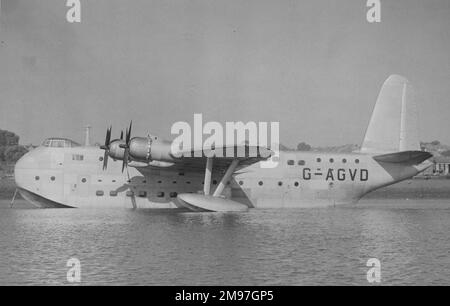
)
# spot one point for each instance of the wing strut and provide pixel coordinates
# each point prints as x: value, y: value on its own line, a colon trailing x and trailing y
x: 223, y: 182
x: 207, y: 202
x: 226, y: 178
x: 208, y: 173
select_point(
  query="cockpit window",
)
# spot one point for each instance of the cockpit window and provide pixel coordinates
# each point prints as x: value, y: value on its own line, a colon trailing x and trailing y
x: 59, y: 143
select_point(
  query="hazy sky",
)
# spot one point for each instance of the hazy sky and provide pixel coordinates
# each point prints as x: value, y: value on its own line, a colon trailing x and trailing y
x: 315, y: 66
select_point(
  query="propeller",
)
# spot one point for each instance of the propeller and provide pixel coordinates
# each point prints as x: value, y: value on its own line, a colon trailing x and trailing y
x: 125, y: 162
x: 126, y: 146
x: 106, y: 147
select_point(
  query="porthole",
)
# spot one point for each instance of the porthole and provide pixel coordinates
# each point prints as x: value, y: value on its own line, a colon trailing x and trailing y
x: 290, y: 162
x: 83, y: 180
x: 100, y: 158
x: 301, y: 162
x: 160, y: 194
x: 241, y: 183
x: 296, y: 184
x: 52, y: 178
x: 173, y: 194
x: 113, y: 193
x: 36, y: 178
x: 159, y: 182
x: 144, y: 182
x: 318, y: 159
x: 188, y: 182
x: 280, y: 183
x: 99, y: 193
x: 260, y: 183
x: 331, y: 160
x: 129, y: 193
x: 357, y: 161
x: 142, y: 194
x: 174, y: 182
x: 344, y: 160
x: 181, y: 174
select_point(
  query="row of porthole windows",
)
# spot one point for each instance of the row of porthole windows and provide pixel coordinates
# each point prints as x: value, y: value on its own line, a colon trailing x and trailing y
x: 280, y: 183
x: 113, y: 193
x: 291, y: 162
x: 37, y: 178
x: 84, y: 180
x: 144, y: 194
x: 141, y: 194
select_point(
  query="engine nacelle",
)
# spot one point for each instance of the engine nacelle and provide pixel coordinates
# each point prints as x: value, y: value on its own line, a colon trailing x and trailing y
x: 147, y: 149
x: 115, y: 151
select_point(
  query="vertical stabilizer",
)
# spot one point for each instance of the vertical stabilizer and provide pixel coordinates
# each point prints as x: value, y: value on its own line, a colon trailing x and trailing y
x: 393, y: 126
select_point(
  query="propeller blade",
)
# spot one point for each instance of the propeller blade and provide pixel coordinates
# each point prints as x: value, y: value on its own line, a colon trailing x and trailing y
x: 106, y: 147
x: 108, y: 136
x: 128, y: 135
x: 125, y: 159
x: 121, y: 135
x: 105, y: 160
x: 126, y: 146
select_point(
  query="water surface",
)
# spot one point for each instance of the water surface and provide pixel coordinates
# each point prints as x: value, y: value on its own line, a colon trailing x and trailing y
x: 260, y: 247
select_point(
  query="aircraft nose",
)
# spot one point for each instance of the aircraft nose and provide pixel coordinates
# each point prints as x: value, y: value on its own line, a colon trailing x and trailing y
x: 22, y: 169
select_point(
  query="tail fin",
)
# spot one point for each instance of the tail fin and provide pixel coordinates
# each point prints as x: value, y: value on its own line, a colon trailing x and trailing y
x: 393, y: 126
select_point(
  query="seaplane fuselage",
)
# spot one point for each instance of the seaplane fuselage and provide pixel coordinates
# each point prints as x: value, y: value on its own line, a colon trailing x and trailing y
x: 73, y: 177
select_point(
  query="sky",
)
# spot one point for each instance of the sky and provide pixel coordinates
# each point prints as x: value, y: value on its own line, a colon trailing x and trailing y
x: 314, y: 66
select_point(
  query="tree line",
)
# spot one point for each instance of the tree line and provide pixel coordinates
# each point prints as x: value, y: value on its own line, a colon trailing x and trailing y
x: 10, y: 150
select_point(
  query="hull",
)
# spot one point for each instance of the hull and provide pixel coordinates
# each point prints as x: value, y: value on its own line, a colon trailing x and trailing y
x: 39, y: 201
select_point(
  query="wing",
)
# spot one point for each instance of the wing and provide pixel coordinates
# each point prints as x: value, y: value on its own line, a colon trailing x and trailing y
x: 195, y: 160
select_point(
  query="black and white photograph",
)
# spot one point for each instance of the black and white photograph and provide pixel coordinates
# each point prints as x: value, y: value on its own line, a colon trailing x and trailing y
x: 224, y: 148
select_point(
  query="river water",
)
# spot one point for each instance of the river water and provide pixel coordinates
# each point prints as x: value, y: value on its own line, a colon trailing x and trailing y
x: 410, y: 238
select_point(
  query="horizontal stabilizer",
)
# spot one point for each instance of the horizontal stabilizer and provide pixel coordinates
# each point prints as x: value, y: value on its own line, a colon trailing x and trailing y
x: 406, y: 157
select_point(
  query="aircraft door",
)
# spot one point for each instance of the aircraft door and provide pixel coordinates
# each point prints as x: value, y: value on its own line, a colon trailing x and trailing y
x: 82, y: 185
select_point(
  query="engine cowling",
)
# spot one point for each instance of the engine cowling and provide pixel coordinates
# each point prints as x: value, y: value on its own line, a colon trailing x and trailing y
x: 147, y: 149
x: 115, y: 151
